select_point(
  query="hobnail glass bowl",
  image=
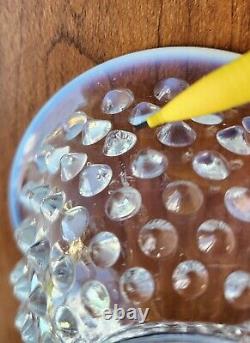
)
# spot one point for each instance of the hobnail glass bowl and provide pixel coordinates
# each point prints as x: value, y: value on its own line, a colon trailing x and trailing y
x: 116, y: 222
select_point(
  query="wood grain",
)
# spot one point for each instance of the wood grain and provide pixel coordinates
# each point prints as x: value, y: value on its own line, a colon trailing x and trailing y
x: 46, y: 43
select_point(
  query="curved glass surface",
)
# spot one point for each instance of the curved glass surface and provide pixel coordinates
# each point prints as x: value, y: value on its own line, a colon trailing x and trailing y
x: 121, y: 226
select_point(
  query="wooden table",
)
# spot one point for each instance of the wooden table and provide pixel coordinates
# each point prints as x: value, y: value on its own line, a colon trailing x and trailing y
x: 46, y: 43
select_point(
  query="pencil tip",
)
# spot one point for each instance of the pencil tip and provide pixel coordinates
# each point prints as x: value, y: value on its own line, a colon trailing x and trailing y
x: 141, y: 125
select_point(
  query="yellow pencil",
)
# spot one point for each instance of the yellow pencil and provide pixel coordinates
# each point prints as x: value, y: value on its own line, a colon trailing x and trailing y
x: 223, y: 88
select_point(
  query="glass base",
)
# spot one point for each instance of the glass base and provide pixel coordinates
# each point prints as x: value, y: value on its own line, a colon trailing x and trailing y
x: 178, y: 338
x: 180, y: 333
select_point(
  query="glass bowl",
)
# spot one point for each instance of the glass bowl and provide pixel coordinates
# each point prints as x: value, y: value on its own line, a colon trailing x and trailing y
x: 133, y: 234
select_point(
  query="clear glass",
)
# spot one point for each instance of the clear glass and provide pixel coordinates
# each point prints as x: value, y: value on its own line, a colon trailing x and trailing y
x: 117, y: 222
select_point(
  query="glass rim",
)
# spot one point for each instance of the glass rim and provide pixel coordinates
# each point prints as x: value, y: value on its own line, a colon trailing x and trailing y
x: 156, y: 54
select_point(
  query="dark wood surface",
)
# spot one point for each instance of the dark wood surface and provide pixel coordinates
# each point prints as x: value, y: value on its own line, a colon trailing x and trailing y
x: 44, y: 44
